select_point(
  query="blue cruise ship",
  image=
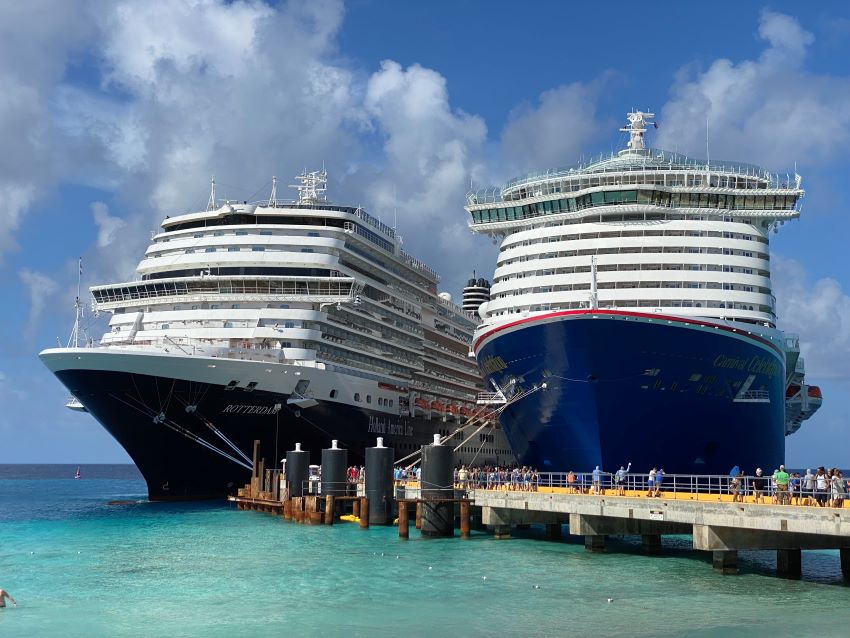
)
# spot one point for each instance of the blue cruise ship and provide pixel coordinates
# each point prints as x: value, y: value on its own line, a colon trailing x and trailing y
x: 631, y: 316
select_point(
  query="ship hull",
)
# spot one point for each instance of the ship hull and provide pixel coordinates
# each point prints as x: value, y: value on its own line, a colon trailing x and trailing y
x: 171, y: 445
x: 656, y: 391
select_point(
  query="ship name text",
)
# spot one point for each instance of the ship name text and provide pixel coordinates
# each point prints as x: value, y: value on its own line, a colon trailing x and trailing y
x: 251, y: 409
x: 754, y: 365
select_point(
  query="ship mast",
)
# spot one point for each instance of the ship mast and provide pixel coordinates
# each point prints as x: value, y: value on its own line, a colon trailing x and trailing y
x: 312, y: 188
x: 638, y: 123
x: 74, y: 339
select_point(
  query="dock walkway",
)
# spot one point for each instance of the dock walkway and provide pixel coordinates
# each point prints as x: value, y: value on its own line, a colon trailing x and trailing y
x: 715, y: 525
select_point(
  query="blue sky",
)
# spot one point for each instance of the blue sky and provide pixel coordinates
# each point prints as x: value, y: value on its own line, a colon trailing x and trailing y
x: 116, y: 114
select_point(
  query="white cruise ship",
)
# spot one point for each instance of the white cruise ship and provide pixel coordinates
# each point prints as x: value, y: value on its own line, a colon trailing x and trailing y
x: 284, y: 322
x: 632, y: 304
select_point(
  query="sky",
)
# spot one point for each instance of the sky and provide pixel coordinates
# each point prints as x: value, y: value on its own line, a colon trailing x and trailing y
x: 116, y: 114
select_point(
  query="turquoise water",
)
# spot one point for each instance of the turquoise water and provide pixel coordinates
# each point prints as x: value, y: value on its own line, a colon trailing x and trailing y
x: 81, y: 567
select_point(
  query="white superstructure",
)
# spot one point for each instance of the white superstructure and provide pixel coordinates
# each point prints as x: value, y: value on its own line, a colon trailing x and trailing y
x: 304, y: 283
x: 669, y: 233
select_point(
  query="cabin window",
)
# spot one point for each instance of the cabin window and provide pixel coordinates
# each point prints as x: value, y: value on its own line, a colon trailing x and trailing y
x: 333, y: 394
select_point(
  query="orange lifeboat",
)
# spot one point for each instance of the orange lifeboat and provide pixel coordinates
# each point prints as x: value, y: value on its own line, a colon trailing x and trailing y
x: 465, y: 411
x: 792, y: 390
x: 814, y: 392
x: 437, y: 406
x: 419, y: 402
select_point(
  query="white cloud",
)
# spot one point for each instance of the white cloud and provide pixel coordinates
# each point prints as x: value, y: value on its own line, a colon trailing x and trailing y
x: 819, y: 311
x: 769, y: 110
x: 36, y: 39
x: 107, y: 226
x: 40, y: 287
x: 554, y: 132
x: 430, y: 152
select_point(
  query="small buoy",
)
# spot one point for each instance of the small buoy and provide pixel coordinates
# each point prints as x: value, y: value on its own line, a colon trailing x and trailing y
x: 610, y: 600
x: 396, y: 557
x: 79, y: 552
x: 31, y: 553
x: 429, y: 567
x: 537, y: 587
x: 382, y: 553
x: 483, y: 578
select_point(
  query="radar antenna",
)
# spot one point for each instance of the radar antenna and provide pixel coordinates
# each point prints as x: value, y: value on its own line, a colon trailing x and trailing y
x: 638, y: 123
x: 312, y: 187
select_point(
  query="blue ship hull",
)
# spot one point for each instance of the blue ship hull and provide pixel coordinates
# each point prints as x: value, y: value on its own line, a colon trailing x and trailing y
x: 653, y: 390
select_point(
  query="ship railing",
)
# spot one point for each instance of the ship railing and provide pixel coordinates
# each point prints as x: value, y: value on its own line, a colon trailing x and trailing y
x: 693, y: 487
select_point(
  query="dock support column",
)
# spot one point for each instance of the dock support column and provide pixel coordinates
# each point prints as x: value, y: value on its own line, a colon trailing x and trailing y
x: 287, y: 509
x: 501, y: 532
x: 594, y: 543
x: 651, y: 544
x: 725, y: 561
x: 418, y: 515
x: 845, y: 561
x: 329, y: 509
x: 355, y: 508
x: 364, y: 513
x: 464, y: 519
x: 553, y: 531
x: 789, y: 563
x: 403, y: 519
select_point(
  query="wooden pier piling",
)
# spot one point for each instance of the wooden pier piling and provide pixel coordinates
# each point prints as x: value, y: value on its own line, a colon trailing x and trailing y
x: 329, y: 510
x: 403, y: 519
x: 364, y: 513
x: 464, y: 519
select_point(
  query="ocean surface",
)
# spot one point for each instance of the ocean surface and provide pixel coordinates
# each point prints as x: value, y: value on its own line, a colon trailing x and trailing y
x: 80, y: 566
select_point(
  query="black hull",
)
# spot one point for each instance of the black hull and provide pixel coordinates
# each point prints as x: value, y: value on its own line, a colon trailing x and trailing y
x: 177, y: 467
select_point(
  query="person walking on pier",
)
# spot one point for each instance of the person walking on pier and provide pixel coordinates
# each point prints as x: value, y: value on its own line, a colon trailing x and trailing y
x: 597, y: 478
x: 821, y: 484
x: 808, y: 488
x: 782, y: 479
x: 4, y: 595
x: 735, y: 485
x: 758, y: 486
x: 839, y: 489
x: 650, y: 481
x: 659, y: 479
x: 620, y: 477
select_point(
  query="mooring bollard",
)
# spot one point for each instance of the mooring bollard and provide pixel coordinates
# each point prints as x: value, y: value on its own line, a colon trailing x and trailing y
x: 464, y: 519
x: 437, y: 490
x: 329, y: 510
x: 403, y: 519
x: 379, y: 483
x: 364, y: 513
x: 334, y: 467
x: 297, y: 470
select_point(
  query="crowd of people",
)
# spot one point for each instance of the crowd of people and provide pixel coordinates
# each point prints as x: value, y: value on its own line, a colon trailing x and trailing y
x: 496, y: 478
x: 824, y: 487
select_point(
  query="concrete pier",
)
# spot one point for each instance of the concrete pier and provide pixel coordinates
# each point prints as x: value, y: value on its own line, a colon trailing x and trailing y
x: 722, y: 528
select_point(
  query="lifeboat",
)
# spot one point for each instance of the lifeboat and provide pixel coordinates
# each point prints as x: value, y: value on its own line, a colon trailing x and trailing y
x: 420, y: 405
x: 814, y: 392
x: 465, y: 411
x: 453, y: 410
x: 436, y: 406
x: 792, y: 390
